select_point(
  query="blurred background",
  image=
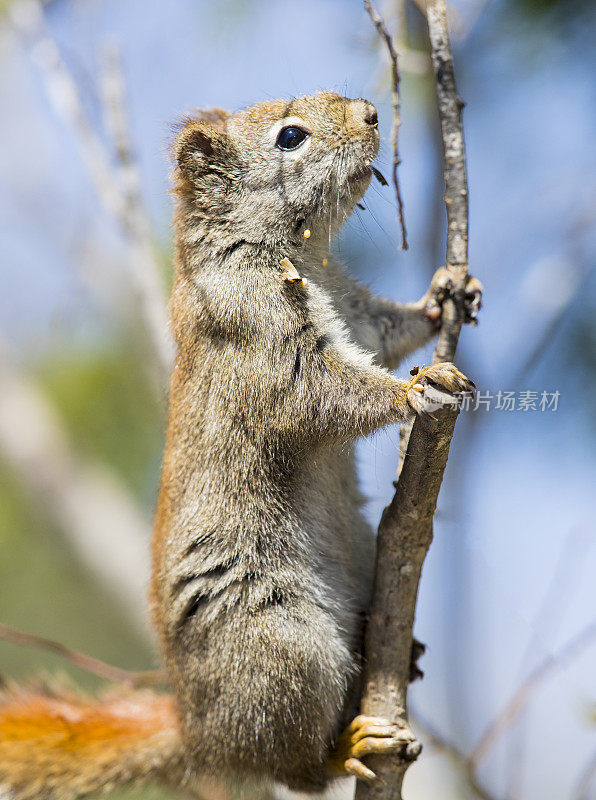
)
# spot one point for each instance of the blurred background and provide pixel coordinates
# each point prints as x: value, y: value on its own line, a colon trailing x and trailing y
x: 88, y: 92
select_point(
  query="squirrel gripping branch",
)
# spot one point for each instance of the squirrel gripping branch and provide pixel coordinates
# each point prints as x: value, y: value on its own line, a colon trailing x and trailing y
x: 262, y: 560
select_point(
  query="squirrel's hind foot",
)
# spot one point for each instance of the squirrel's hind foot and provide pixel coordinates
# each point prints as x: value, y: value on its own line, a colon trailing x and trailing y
x: 363, y: 737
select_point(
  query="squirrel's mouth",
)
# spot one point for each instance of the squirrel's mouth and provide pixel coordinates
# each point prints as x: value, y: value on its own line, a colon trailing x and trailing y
x: 359, y: 181
x: 368, y: 172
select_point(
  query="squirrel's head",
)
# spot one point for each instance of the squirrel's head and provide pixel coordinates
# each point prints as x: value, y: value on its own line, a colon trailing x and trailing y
x: 277, y: 168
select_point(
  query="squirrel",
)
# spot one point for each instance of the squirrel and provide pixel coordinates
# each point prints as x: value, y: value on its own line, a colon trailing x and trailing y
x: 262, y: 560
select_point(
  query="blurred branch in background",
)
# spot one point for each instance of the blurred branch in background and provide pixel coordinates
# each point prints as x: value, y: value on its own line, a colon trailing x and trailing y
x: 98, y: 516
x: 83, y: 661
x: 95, y: 511
x: 522, y: 695
x: 565, y: 577
x: 118, y: 189
x: 468, y: 765
x: 461, y: 762
x: 117, y: 122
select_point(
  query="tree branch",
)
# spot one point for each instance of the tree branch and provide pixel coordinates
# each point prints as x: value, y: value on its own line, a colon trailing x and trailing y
x: 405, y: 531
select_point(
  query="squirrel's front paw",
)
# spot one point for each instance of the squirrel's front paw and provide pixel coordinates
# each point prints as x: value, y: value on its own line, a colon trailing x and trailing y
x: 441, y: 287
x: 432, y: 387
x: 365, y: 736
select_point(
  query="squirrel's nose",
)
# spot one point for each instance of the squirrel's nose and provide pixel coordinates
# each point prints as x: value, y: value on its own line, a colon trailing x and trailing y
x: 370, y: 115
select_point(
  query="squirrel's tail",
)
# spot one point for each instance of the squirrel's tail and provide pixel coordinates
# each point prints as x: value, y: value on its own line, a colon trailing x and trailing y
x: 56, y: 745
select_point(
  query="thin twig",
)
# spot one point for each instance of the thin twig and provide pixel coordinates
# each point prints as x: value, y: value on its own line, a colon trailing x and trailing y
x: 405, y: 531
x: 395, y: 102
x: 90, y: 664
x: 526, y: 690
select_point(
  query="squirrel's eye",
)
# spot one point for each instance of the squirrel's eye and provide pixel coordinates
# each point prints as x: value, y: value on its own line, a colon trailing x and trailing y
x: 291, y: 137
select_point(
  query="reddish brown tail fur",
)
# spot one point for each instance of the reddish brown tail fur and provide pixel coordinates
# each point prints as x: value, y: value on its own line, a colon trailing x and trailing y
x: 64, y: 746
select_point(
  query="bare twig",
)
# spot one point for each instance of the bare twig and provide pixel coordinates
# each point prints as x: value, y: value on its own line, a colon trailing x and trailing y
x: 405, y: 532
x: 395, y: 79
x: 101, y: 520
x: 456, y: 185
x: 63, y: 93
x: 90, y: 664
x: 526, y: 690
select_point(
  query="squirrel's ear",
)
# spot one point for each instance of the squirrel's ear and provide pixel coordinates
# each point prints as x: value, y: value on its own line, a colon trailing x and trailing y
x: 201, y: 148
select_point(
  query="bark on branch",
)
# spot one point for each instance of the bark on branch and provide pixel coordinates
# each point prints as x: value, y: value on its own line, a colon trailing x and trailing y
x: 405, y: 531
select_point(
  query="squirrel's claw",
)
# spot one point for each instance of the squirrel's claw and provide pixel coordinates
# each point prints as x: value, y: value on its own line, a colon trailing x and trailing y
x: 365, y: 736
x: 290, y: 274
x: 432, y: 387
x: 441, y: 287
x: 356, y: 768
